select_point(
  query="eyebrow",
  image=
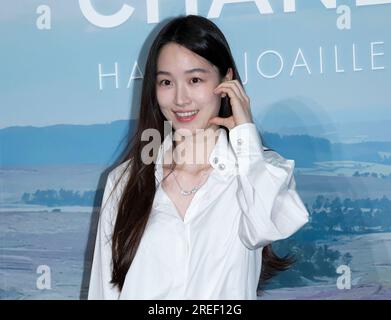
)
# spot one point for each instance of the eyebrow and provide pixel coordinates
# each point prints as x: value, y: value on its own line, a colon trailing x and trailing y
x: 187, y: 71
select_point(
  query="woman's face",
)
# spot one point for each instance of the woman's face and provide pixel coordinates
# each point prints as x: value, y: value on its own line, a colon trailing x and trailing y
x: 184, y: 88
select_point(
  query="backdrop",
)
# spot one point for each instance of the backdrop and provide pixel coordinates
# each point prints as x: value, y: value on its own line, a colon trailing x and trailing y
x: 317, y: 73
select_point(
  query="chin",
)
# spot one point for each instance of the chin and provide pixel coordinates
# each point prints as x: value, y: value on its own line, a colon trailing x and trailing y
x: 186, y: 130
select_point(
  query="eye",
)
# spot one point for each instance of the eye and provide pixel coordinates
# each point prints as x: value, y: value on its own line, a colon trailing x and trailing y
x: 162, y: 81
x: 200, y: 80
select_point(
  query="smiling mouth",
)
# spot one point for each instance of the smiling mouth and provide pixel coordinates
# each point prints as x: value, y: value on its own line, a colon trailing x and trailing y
x: 186, y: 116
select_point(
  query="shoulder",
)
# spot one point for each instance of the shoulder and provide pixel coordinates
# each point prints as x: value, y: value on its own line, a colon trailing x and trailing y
x: 273, y: 157
x: 119, y: 172
x: 116, y: 181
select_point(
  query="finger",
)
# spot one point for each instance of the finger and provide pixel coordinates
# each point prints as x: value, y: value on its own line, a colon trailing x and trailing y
x: 234, y: 98
x: 241, y: 89
x: 217, y: 120
x: 236, y: 86
x: 218, y: 91
x: 230, y: 87
x: 226, y: 122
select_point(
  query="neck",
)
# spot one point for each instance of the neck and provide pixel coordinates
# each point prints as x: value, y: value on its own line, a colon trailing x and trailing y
x: 191, y: 153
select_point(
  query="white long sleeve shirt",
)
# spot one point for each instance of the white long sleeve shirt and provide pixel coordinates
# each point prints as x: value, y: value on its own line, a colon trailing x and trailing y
x: 215, y: 252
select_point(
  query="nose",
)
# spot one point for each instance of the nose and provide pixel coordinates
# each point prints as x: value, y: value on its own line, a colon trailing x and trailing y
x: 181, y: 96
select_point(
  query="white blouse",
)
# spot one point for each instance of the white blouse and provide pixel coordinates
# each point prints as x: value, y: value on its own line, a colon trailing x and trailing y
x: 215, y: 252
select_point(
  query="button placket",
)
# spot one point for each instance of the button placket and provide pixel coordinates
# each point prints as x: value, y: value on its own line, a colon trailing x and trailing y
x: 187, y: 254
x: 239, y: 145
x: 221, y: 166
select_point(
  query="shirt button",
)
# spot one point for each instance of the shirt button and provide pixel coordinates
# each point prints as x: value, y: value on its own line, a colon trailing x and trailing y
x: 239, y: 141
x: 221, y: 166
x: 215, y: 160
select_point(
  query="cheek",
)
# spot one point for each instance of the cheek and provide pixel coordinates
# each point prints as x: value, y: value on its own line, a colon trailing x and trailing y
x: 208, y: 98
x: 163, y: 100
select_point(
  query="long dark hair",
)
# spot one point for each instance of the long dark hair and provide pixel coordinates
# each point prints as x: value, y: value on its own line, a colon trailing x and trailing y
x: 203, y: 37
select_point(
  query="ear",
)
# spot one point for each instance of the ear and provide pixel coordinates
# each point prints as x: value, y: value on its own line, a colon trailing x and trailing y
x: 229, y: 75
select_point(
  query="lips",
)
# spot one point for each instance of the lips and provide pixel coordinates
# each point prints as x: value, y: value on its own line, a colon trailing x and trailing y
x: 186, y: 116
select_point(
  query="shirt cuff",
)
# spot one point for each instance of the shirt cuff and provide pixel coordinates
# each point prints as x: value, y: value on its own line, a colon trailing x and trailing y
x: 247, y: 145
x: 245, y: 140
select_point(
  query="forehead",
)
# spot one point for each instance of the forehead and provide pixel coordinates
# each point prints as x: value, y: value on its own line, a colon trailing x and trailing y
x: 176, y: 58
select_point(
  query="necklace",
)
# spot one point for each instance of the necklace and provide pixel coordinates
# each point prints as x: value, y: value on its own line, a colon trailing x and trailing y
x: 193, y: 190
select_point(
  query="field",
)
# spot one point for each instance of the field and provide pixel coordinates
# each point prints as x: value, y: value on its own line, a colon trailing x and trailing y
x: 370, y: 272
x: 34, y: 235
x: 62, y: 241
x: 346, y: 168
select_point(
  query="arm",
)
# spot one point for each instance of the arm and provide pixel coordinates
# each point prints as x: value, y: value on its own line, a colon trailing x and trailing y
x: 271, y: 207
x: 100, y: 286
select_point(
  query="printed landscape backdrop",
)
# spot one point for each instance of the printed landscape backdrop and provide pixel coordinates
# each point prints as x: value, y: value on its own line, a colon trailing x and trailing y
x: 318, y: 75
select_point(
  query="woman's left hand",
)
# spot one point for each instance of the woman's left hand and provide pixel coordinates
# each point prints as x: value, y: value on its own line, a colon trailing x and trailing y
x: 240, y: 102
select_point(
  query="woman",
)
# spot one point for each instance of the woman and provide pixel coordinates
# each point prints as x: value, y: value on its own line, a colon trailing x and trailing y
x: 185, y: 226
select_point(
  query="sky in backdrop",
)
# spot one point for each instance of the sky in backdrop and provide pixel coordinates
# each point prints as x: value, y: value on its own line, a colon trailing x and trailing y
x: 52, y: 76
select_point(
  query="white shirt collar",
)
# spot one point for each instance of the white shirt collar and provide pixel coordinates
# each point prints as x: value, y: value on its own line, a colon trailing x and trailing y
x: 222, y: 158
